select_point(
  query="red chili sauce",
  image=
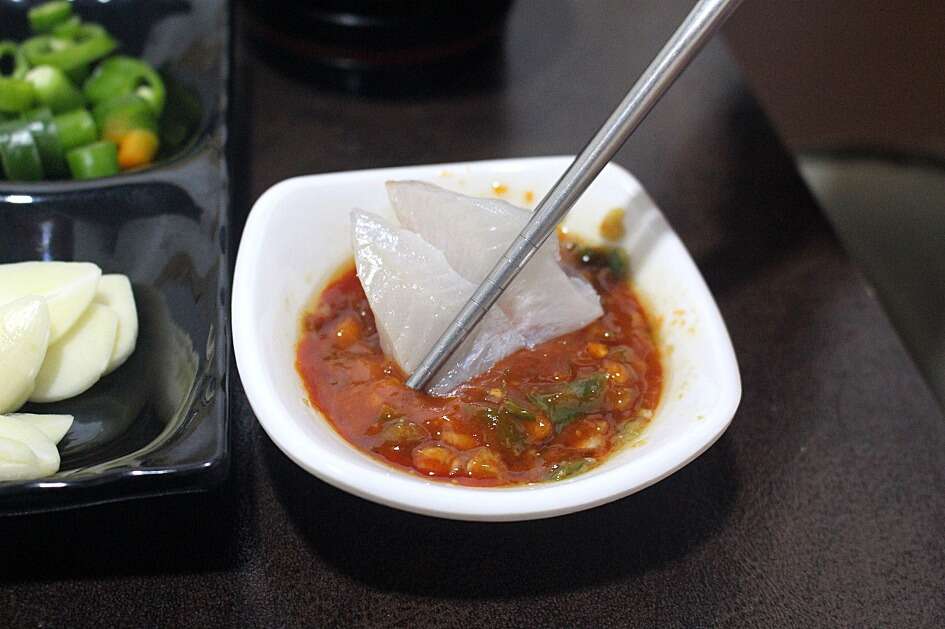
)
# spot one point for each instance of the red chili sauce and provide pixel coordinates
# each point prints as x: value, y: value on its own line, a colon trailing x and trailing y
x: 539, y: 414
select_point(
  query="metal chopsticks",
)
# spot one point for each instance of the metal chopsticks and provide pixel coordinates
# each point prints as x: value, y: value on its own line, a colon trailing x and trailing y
x: 698, y: 27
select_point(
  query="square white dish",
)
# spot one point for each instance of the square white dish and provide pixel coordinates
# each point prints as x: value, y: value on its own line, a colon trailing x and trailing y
x: 296, y: 238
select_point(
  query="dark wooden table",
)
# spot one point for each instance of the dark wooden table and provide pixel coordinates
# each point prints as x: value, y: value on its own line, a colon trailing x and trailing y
x: 823, y: 504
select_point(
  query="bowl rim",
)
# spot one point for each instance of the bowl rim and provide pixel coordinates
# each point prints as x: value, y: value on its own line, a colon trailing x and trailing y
x: 393, y: 487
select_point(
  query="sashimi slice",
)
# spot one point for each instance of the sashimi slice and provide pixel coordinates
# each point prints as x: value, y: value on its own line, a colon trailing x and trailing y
x: 414, y: 294
x: 24, y: 337
x: 543, y: 302
x: 67, y: 287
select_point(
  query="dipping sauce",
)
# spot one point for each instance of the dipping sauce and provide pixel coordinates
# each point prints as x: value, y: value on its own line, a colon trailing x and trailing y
x: 541, y: 414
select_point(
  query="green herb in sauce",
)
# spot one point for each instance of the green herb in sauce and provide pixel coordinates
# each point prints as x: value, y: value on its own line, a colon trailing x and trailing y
x: 570, y: 401
x: 613, y: 258
x: 565, y: 469
x: 403, y: 431
x: 506, y: 429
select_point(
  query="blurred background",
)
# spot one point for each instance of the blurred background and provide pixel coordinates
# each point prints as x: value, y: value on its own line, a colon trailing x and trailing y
x: 856, y: 89
x: 844, y: 72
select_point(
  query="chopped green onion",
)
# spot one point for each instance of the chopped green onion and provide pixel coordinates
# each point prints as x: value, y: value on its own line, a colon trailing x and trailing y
x: 517, y: 411
x: 48, y: 15
x: 46, y: 116
x: 565, y: 403
x: 12, y: 57
x: 76, y: 128
x: 507, y: 429
x: 119, y: 75
x: 117, y: 116
x: 69, y: 28
x: 45, y: 49
x: 614, y: 258
x: 90, y: 43
x: 54, y: 89
x: 566, y: 469
x: 91, y: 161
x: 20, y: 156
x: 16, y: 95
x: 41, y: 124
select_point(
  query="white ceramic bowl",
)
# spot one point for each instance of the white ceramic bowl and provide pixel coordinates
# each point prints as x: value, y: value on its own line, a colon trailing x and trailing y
x: 297, y: 236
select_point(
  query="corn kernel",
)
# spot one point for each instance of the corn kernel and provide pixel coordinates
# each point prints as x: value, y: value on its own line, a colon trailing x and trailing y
x: 347, y: 333
x: 597, y: 350
x: 616, y: 371
x: 538, y: 429
x: 612, y: 227
x: 433, y: 460
x: 484, y: 464
x: 459, y: 440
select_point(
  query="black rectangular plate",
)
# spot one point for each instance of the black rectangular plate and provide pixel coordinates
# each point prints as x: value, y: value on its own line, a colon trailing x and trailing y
x: 158, y: 424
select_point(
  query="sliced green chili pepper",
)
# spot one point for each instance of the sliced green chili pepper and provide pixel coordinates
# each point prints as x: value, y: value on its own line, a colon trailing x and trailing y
x: 13, y: 64
x: 43, y: 49
x: 69, y: 28
x: 117, y: 116
x: 121, y: 75
x: 91, y: 161
x: 47, y: 15
x: 41, y: 124
x: 76, y: 128
x: 54, y: 89
x: 16, y: 95
x: 90, y: 43
x: 20, y: 156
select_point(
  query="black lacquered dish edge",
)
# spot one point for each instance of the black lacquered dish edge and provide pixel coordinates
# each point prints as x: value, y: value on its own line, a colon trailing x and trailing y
x: 208, y: 396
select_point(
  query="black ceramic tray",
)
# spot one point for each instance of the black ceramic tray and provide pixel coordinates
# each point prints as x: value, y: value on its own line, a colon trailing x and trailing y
x: 159, y: 424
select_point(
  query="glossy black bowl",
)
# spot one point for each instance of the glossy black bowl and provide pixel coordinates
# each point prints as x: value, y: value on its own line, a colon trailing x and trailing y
x: 159, y: 423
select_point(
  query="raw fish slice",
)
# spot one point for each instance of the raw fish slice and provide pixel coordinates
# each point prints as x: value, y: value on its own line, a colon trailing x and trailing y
x: 414, y: 294
x: 543, y: 302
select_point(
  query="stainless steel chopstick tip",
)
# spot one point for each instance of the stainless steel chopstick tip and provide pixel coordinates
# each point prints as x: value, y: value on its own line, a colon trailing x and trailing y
x: 703, y: 20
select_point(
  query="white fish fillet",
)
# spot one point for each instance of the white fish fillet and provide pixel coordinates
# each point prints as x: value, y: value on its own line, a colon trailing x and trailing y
x: 414, y: 294
x: 543, y: 302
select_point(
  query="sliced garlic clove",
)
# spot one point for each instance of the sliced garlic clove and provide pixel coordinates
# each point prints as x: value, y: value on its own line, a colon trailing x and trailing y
x: 54, y: 427
x: 47, y: 456
x: 67, y: 287
x: 13, y: 451
x: 17, y: 461
x: 24, y: 334
x: 115, y: 292
x: 79, y: 359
